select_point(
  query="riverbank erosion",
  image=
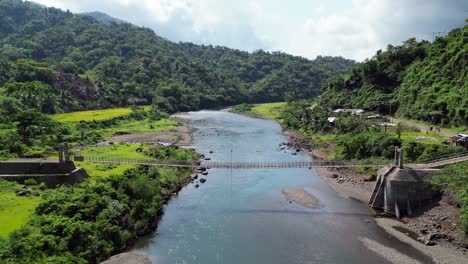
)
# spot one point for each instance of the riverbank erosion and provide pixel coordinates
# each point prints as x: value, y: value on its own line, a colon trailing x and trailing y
x: 432, y: 228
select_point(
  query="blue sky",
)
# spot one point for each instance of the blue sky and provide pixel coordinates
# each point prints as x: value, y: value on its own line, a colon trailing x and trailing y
x: 353, y: 29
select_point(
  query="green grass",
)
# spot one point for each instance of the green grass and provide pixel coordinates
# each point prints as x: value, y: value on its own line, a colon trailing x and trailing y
x: 423, y: 137
x: 14, y: 210
x: 92, y: 115
x: 269, y: 110
x: 115, y: 150
x: 137, y: 126
x: 455, y: 130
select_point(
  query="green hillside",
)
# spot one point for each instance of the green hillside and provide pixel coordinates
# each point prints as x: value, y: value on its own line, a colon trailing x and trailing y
x: 56, y: 61
x: 419, y: 80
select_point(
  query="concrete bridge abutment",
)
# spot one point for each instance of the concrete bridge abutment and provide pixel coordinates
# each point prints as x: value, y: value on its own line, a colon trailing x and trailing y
x: 400, y: 190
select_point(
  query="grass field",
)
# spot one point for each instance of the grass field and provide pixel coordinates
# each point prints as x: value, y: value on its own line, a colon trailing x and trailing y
x: 14, y: 210
x: 138, y: 126
x: 93, y: 115
x: 454, y: 130
x: 269, y: 110
x: 115, y: 150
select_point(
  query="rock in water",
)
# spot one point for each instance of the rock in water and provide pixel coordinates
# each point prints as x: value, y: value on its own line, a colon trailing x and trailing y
x: 202, y: 180
x: 128, y: 258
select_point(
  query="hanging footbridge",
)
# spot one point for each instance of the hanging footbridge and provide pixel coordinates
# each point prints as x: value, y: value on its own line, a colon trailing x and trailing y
x: 434, y: 163
x: 229, y: 164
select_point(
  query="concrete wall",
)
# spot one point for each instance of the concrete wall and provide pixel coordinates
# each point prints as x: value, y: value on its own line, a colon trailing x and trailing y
x: 407, y: 190
x: 401, y: 191
x: 77, y: 176
x: 50, y: 173
x: 36, y: 167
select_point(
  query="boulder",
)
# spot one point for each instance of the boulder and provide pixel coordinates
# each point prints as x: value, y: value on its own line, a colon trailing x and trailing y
x: 204, y: 173
x: 202, y: 180
x: 23, y: 192
x: 196, y: 186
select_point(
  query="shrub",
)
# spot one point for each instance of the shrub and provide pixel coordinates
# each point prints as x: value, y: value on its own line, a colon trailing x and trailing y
x: 366, y: 145
x: 421, y: 151
x: 89, y: 222
x: 454, y: 178
x: 30, y: 182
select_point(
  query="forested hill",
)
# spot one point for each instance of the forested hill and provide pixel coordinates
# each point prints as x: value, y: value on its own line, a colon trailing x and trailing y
x: 57, y: 61
x: 420, y: 80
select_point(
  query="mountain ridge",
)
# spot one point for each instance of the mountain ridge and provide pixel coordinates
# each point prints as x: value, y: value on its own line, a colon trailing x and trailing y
x: 133, y: 65
x: 103, y: 17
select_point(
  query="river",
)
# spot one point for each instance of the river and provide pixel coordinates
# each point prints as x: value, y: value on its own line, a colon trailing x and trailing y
x: 242, y: 216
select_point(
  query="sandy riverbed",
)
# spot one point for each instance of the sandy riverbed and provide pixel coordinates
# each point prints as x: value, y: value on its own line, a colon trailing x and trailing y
x: 302, y: 197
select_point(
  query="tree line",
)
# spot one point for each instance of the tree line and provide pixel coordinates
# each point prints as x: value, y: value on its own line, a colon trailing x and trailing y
x: 57, y: 61
x: 418, y: 79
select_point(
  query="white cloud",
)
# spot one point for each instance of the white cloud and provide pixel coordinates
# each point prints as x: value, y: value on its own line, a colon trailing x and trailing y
x: 308, y: 28
x: 369, y: 25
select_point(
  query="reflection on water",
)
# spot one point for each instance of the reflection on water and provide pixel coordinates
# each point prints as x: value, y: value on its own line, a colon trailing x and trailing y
x: 241, y: 216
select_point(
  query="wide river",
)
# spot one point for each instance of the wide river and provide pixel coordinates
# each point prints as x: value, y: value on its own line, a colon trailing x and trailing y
x: 242, y: 216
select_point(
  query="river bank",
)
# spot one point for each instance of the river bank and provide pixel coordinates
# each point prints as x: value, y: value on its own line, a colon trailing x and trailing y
x: 179, y: 136
x: 450, y: 242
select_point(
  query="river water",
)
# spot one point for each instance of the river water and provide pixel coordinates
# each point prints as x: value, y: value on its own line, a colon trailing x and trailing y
x: 242, y: 216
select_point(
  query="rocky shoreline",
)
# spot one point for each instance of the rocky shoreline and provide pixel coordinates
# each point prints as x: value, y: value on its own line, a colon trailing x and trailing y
x: 434, y: 229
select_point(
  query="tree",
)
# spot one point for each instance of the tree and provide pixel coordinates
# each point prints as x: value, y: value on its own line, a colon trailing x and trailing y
x: 33, y: 124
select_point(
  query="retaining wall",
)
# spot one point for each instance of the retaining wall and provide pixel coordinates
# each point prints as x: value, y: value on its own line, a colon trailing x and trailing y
x: 52, y: 173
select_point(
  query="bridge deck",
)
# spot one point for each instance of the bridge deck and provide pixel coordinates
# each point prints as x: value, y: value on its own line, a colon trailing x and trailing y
x: 443, y: 161
x: 236, y: 165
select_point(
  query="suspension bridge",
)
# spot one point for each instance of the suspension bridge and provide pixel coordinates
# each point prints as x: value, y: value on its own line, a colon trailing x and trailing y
x: 434, y: 163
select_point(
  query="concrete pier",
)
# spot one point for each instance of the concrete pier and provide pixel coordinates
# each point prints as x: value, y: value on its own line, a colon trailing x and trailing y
x: 399, y: 190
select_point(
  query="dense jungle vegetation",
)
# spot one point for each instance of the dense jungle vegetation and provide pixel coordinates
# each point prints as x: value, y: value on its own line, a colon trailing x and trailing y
x: 418, y: 80
x: 55, y: 61
x: 100, y: 217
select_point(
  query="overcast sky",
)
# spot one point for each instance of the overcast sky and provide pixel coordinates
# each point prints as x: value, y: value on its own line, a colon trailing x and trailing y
x: 353, y: 29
